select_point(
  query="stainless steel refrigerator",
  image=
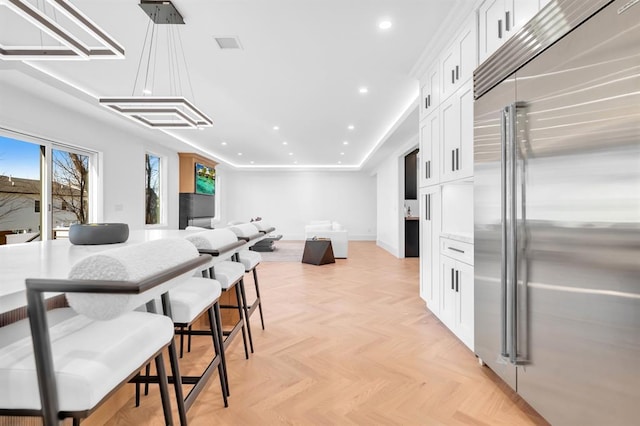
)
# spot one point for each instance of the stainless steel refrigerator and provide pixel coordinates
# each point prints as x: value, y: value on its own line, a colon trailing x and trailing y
x: 557, y: 212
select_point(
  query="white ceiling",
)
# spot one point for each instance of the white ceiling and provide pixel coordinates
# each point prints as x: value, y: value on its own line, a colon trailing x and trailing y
x: 301, y: 66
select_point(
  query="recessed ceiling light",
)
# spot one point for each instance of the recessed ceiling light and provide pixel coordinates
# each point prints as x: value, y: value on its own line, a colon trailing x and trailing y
x: 239, y: 153
x: 351, y: 127
x: 251, y: 162
x: 384, y: 25
x: 224, y: 143
x: 339, y: 162
x: 345, y: 143
x: 291, y: 153
x: 363, y: 90
x: 276, y: 128
x: 284, y: 143
x: 342, y: 153
x: 146, y: 91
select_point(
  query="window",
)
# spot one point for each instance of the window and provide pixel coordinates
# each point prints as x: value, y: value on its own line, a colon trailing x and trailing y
x: 20, y: 186
x: 69, y: 188
x: 152, y: 205
x: 44, y: 186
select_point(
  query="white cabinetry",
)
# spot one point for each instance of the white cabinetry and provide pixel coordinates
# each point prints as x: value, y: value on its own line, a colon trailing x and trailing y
x: 458, y: 60
x: 430, y: 149
x: 446, y: 193
x: 429, y: 92
x: 457, y: 134
x: 456, y: 275
x: 430, y: 208
x: 498, y: 20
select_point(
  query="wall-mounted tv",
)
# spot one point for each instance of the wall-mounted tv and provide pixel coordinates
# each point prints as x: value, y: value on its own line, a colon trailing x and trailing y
x: 205, y: 179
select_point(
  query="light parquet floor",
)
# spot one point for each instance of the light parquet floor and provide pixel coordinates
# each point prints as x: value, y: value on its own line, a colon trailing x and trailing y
x: 349, y: 343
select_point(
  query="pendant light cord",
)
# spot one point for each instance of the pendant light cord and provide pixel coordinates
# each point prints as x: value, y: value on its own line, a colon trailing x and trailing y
x: 135, y: 82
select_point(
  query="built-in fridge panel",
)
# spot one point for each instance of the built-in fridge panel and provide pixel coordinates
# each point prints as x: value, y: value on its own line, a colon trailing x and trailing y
x: 578, y: 182
x: 490, y: 323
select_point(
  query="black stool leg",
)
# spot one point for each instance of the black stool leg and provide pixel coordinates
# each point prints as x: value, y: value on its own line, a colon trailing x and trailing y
x: 164, y: 389
x: 189, y: 340
x: 240, y: 310
x: 147, y: 372
x: 246, y: 312
x: 255, y: 281
x: 218, y: 352
x: 220, y: 335
x: 138, y: 393
x: 175, y: 368
x: 181, y: 341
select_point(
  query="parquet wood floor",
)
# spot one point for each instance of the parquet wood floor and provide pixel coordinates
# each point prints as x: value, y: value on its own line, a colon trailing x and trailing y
x: 349, y: 343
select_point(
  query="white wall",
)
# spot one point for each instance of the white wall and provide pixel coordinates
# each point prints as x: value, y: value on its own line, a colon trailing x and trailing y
x: 288, y: 200
x: 390, y: 200
x: 122, y: 162
x: 388, y: 192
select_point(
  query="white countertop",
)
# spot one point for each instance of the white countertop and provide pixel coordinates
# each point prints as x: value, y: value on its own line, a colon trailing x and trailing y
x: 54, y: 259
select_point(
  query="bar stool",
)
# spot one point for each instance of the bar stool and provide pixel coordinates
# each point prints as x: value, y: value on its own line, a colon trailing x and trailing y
x: 250, y: 260
x: 70, y: 368
x: 189, y: 301
x: 221, y: 244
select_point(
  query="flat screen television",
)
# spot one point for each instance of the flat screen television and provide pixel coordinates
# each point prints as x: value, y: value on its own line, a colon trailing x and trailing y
x: 205, y: 180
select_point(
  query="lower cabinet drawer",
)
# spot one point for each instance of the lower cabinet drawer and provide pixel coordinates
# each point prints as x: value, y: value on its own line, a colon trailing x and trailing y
x: 457, y: 250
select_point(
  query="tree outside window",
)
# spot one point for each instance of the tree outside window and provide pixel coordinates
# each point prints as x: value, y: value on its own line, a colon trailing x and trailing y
x: 152, y: 189
x: 70, y: 188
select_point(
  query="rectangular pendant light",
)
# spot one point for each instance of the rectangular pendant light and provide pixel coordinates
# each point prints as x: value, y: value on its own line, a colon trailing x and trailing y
x: 72, y: 48
x: 159, y: 113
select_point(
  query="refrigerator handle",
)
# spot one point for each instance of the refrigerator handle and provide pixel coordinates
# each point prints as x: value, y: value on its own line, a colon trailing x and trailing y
x: 513, y: 223
x: 503, y: 230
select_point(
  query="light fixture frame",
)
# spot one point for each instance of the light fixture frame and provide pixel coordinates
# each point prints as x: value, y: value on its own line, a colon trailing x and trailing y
x: 152, y: 111
x: 73, y: 48
x: 138, y: 108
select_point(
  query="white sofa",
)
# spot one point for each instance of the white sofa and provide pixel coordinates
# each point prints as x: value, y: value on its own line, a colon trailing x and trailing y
x: 333, y: 230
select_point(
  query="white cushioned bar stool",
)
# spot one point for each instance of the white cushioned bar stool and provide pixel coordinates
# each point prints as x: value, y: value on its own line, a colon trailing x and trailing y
x: 68, y: 369
x: 250, y: 260
x: 189, y: 301
x: 221, y: 244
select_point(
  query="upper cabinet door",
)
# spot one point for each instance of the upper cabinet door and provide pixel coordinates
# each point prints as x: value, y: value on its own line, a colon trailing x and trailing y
x: 498, y: 20
x: 456, y: 133
x: 491, y: 26
x: 430, y: 92
x: 429, y: 149
x: 521, y: 12
x: 458, y: 60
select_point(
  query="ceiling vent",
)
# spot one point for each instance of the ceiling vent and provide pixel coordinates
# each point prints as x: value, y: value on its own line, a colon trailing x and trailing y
x: 228, y: 42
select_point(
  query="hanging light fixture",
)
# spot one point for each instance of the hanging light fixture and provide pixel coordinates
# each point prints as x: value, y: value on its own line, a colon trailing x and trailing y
x: 71, y: 46
x: 173, y: 111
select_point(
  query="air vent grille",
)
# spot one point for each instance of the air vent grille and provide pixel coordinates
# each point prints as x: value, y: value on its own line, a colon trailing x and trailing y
x: 228, y: 42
